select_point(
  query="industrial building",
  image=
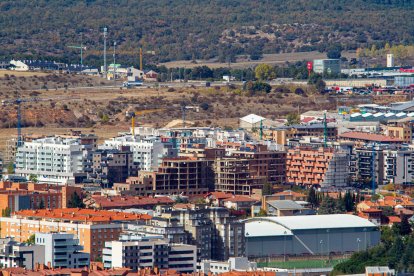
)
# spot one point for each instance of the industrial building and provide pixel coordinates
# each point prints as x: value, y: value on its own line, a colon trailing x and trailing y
x: 327, y: 66
x: 304, y: 235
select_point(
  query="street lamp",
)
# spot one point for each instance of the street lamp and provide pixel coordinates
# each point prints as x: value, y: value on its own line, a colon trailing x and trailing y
x: 284, y: 246
x: 327, y: 233
x: 321, y: 244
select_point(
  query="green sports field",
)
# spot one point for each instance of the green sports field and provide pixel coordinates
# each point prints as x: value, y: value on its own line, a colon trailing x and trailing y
x: 301, y: 264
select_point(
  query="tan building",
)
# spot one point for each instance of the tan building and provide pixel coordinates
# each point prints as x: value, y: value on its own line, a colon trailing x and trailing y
x: 401, y: 129
x: 92, y: 227
x: 183, y: 175
x: 281, y: 135
x: 245, y: 171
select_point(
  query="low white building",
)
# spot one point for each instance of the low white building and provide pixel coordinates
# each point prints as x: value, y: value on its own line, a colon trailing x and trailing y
x: 232, y: 264
x: 19, y: 65
x: 136, y: 252
x: 62, y: 250
x: 16, y: 254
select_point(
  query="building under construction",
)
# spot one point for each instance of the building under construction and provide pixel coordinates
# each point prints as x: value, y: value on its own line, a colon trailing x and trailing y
x: 245, y: 171
x: 324, y: 167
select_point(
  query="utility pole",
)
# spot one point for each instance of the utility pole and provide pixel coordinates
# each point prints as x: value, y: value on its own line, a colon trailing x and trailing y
x: 141, y: 67
x: 114, y: 69
x: 105, y: 66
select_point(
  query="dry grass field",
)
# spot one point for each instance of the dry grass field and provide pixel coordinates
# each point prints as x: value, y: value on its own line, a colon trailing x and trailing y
x: 3, y: 73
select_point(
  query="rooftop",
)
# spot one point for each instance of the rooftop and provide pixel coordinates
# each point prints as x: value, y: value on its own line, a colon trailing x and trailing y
x: 252, y: 118
x: 129, y: 201
x: 369, y: 137
x: 81, y: 215
x: 285, y: 205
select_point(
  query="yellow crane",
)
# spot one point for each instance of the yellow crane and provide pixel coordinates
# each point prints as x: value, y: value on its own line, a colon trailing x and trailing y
x: 134, y: 114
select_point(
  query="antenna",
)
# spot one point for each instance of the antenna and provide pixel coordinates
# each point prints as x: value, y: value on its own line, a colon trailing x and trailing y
x: 105, y: 33
x: 114, y: 66
x: 140, y: 59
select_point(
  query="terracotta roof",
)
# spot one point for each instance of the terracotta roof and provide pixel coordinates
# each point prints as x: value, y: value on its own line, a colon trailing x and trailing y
x: 394, y: 219
x: 81, y: 215
x: 238, y: 198
x: 111, y: 202
x: 289, y: 192
x: 219, y: 195
x: 369, y: 137
x: 372, y: 210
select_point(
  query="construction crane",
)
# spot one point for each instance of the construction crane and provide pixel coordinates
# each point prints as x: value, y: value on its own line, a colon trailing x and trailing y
x: 17, y: 102
x: 134, y: 114
x: 82, y: 48
x: 184, y: 109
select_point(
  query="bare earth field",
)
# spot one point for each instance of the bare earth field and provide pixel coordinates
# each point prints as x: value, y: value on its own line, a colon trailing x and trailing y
x: 273, y: 59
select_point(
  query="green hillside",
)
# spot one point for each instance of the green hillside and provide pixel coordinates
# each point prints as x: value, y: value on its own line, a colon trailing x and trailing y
x: 186, y: 29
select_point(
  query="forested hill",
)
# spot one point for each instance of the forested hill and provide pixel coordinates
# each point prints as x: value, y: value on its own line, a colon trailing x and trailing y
x: 186, y: 29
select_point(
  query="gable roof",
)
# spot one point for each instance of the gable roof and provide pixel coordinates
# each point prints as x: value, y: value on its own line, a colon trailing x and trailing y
x: 285, y: 205
x: 252, y: 118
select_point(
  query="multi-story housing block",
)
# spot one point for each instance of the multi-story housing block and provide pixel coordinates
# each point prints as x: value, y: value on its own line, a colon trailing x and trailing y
x: 107, y: 167
x: 137, y: 252
x: 62, y: 250
x: 92, y: 227
x: 16, y: 254
x: 244, y: 171
x: 147, y: 151
x: 174, y: 176
x: 58, y: 160
x: 323, y: 167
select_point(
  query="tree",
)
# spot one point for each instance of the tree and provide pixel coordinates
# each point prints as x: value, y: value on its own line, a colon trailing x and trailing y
x: 262, y: 213
x: 31, y: 240
x: 258, y: 86
x: 405, y: 227
x: 313, y: 198
x: 331, y: 206
x: 33, y: 178
x: 267, y: 189
x: 10, y: 168
x: 75, y: 201
x: 292, y: 119
x: 349, y: 202
x: 317, y: 81
x: 334, y: 52
x: 264, y: 72
x: 6, y: 212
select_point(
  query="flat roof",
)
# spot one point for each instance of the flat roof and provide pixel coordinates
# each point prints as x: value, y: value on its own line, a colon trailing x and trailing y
x: 292, y: 223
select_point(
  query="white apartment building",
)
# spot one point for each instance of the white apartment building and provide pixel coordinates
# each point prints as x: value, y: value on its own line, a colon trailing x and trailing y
x: 52, y: 159
x: 399, y: 166
x: 16, y: 254
x: 137, y: 252
x: 62, y: 250
x: 147, y: 151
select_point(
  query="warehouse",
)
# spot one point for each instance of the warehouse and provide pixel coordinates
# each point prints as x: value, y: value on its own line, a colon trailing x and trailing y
x: 309, y: 235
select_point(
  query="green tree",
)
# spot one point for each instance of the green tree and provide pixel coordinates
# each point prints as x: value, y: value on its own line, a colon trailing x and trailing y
x: 405, y: 227
x: 31, y: 240
x: 75, y: 201
x: 10, y: 168
x: 6, y: 212
x: 264, y: 72
x: 313, y: 198
x: 33, y: 178
x: 331, y: 206
x: 317, y: 81
x: 292, y: 119
x: 267, y: 189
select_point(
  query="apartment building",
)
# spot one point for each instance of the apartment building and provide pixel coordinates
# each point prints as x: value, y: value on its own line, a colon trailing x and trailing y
x: 107, y: 167
x: 282, y: 135
x: 92, y: 227
x: 175, y: 176
x: 216, y: 234
x: 401, y: 129
x: 16, y: 254
x: 244, y: 171
x: 22, y: 196
x: 324, y: 167
x: 147, y: 151
x: 62, y: 250
x: 399, y: 166
x: 138, y: 252
x: 58, y: 160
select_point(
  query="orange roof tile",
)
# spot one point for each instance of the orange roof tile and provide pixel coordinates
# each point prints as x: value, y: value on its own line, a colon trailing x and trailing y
x: 369, y: 137
x: 81, y: 215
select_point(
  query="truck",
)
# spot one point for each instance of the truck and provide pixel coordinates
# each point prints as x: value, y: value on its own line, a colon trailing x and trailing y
x: 128, y: 84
